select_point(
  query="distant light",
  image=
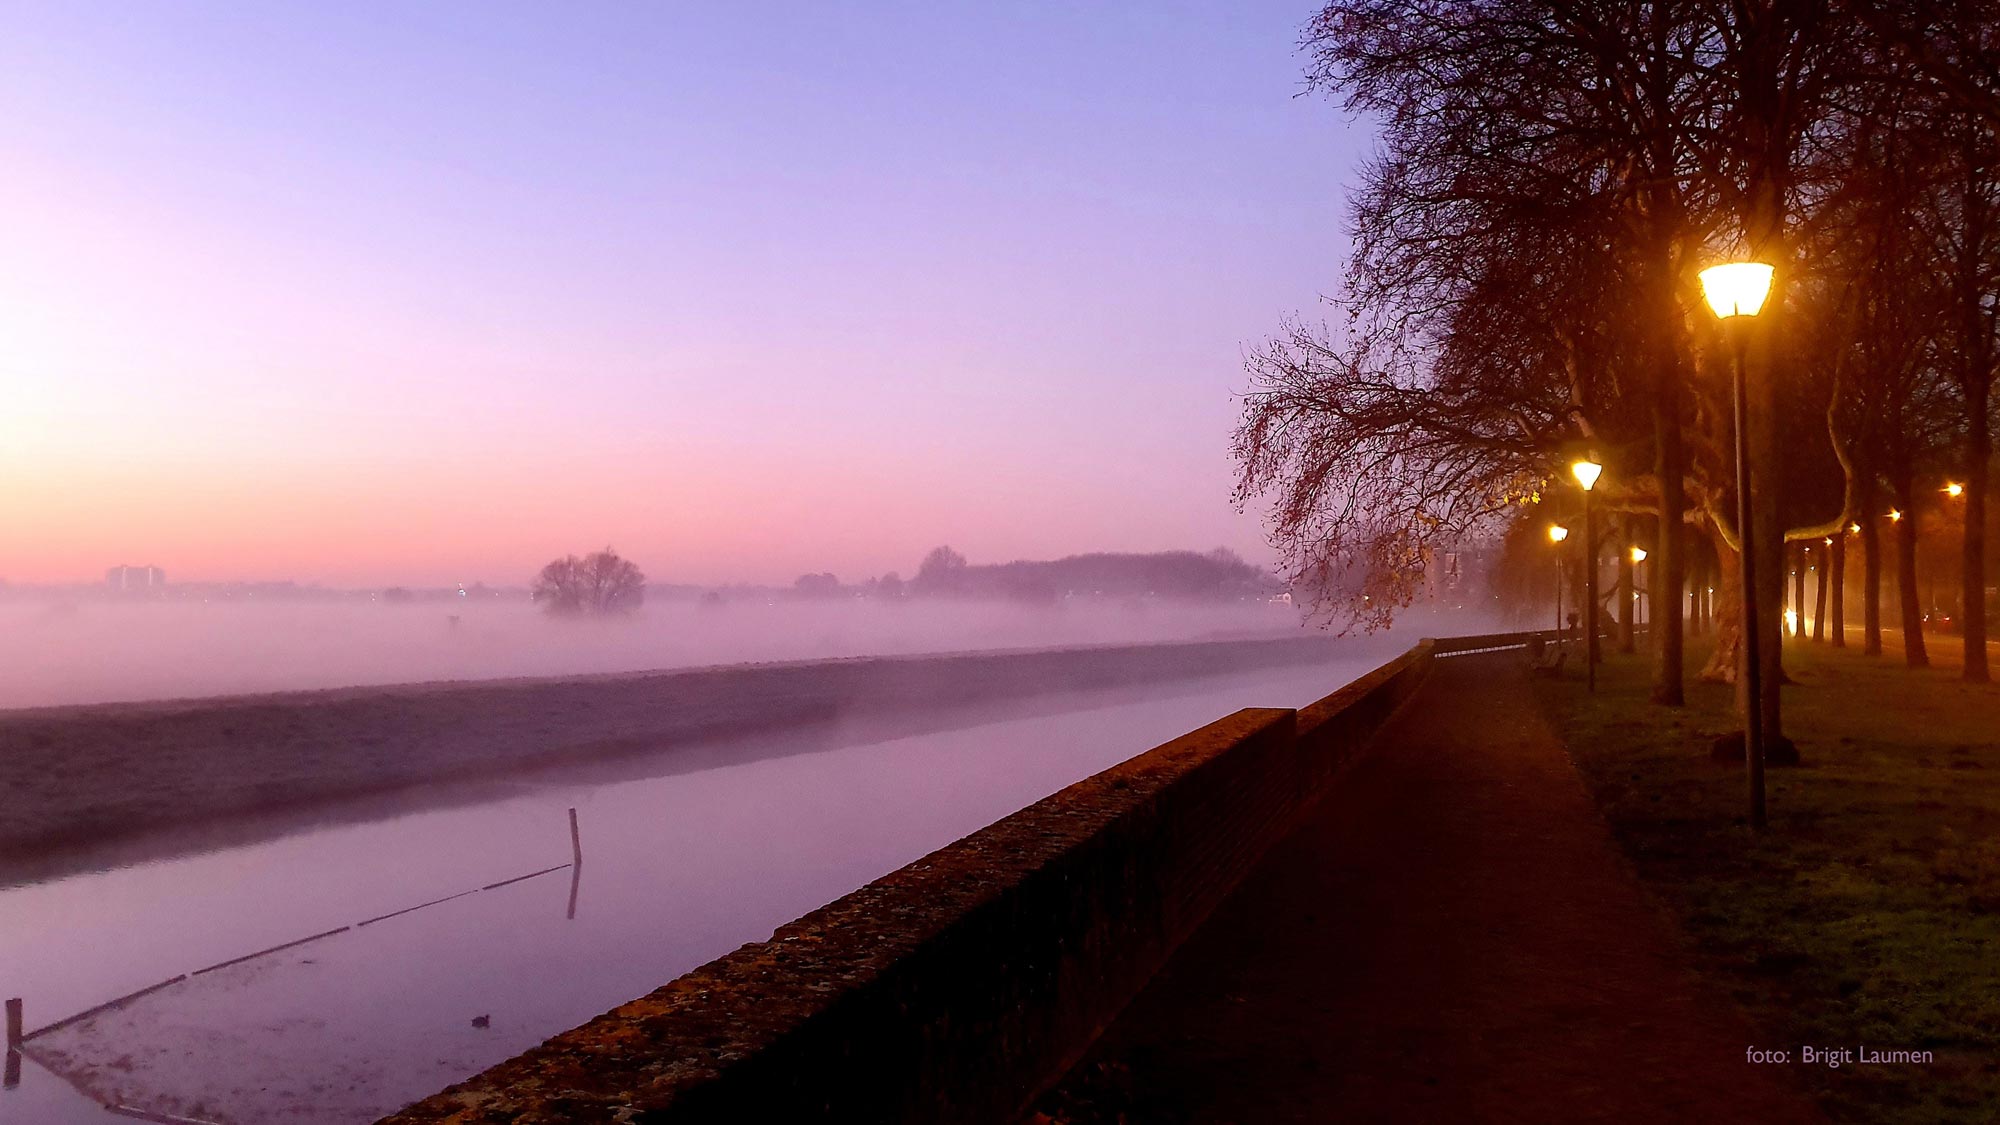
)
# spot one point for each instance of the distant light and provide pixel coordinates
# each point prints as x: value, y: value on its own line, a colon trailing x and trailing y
x: 1854, y: 529
x: 1736, y: 288
x: 1791, y: 620
x: 1895, y: 516
x: 1954, y: 489
x: 1558, y: 533
x: 1638, y: 554
x: 1587, y: 472
x: 1829, y: 540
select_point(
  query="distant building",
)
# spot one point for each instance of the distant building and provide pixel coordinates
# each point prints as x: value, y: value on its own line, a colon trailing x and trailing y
x: 135, y: 579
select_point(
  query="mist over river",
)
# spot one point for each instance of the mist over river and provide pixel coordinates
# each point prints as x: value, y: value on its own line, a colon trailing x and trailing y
x: 93, y: 651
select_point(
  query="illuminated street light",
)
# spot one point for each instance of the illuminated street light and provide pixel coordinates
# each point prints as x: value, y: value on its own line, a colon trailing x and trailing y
x: 1638, y: 554
x: 1895, y: 516
x: 1954, y: 490
x: 1558, y: 533
x: 1586, y: 472
x: 1736, y: 291
x: 1854, y: 529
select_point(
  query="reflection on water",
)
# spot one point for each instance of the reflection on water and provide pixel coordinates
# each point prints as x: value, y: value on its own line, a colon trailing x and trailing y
x: 678, y: 870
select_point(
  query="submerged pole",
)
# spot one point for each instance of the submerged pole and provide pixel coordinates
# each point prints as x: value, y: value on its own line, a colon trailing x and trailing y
x: 575, y: 863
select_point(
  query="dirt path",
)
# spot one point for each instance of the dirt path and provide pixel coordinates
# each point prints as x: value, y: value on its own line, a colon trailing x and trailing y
x: 1451, y: 938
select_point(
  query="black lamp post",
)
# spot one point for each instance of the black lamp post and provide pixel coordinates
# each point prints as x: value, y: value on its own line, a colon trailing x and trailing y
x: 1586, y: 472
x: 1558, y: 533
x: 1736, y: 293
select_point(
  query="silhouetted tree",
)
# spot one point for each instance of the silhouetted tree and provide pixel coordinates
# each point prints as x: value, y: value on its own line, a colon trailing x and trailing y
x: 597, y: 584
x: 942, y: 571
x: 822, y: 585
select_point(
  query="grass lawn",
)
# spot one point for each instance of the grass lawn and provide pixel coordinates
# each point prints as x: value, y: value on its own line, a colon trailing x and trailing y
x: 1869, y: 914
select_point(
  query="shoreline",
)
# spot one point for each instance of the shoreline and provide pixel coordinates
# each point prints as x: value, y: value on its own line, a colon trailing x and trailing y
x: 81, y: 782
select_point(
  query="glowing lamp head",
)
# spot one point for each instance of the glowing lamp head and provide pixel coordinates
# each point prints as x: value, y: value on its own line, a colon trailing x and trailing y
x: 1854, y: 529
x: 1895, y: 516
x: 1558, y: 533
x: 1954, y: 489
x: 1638, y: 554
x: 1736, y: 288
x: 1587, y: 472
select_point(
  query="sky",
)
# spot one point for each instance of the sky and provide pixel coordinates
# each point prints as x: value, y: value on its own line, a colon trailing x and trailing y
x: 378, y: 293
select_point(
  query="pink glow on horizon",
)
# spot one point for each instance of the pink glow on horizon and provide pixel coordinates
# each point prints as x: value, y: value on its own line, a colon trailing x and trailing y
x: 398, y: 300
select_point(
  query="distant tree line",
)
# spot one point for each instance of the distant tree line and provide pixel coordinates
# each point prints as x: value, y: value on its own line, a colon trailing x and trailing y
x: 945, y: 572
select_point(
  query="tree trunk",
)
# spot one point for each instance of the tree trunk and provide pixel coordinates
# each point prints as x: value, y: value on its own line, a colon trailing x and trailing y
x: 1978, y: 455
x: 1819, y: 595
x: 1837, y: 603
x: 1914, y: 653
x: 1770, y: 543
x: 1871, y: 569
x: 1670, y: 544
x: 1727, y: 616
x: 1975, y: 378
x: 1799, y: 589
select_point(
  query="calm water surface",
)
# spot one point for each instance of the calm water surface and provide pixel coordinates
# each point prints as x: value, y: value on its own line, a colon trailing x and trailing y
x: 677, y: 870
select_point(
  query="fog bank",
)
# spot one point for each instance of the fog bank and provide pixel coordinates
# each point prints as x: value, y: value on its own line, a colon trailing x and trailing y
x: 103, y: 651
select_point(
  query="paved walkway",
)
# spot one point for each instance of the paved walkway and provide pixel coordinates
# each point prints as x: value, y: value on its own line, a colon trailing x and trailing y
x: 1452, y: 938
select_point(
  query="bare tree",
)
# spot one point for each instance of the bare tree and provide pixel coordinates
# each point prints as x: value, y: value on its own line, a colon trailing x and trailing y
x: 597, y: 584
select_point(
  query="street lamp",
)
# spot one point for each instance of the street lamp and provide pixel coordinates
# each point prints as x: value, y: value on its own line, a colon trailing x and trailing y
x: 1736, y: 292
x: 1954, y: 490
x: 1586, y: 472
x: 1558, y: 533
x: 1646, y: 610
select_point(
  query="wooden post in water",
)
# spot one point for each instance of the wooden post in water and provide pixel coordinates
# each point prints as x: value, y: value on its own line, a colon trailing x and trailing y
x: 575, y: 863
x: 12, y: 1076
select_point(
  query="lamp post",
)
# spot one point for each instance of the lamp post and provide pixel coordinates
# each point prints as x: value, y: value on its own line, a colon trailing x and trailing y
x: 1558, y: 533
x: 1639, y: 556
x: 1735, y: 292
x: 1586, y: 472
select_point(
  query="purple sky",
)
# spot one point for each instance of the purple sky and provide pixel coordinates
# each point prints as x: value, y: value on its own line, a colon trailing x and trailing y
x: 371, y: 293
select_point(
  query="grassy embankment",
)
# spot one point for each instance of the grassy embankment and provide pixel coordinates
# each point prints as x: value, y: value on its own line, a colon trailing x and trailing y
x: 1869, y: 914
